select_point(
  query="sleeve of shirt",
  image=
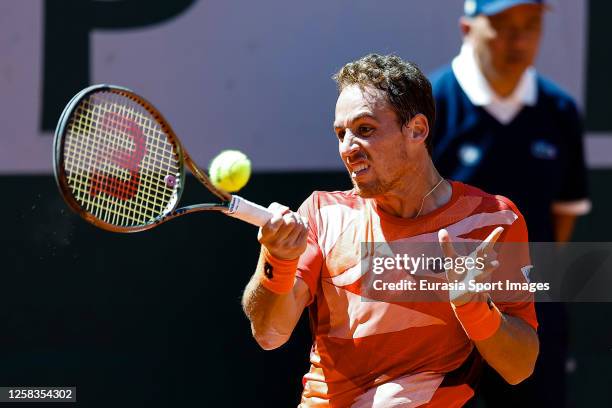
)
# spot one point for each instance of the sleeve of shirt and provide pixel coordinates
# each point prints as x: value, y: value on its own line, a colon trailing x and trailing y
x: 573, y: 195
x: 311, y: 261
x: 514, y: 266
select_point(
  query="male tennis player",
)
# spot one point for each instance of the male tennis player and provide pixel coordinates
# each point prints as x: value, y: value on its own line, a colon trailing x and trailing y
x: 383, y: 354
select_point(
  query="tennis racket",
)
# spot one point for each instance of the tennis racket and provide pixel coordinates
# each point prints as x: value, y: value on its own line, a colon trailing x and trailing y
x: 119, y: 165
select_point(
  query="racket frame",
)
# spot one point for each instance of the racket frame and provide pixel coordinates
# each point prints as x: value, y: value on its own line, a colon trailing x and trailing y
x: 227, y: 204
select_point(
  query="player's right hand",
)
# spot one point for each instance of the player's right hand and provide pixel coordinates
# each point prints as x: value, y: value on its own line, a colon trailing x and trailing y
x: 285, y: 235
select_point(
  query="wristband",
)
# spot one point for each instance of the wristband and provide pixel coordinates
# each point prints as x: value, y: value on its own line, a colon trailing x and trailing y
x: 276, y: 275
x: 479, y: 319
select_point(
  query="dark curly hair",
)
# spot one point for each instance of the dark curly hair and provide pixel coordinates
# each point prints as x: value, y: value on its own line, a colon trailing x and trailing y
x: 408, y: 90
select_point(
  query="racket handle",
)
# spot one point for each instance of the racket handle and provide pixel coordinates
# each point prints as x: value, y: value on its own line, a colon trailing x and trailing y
x: 247, y: 211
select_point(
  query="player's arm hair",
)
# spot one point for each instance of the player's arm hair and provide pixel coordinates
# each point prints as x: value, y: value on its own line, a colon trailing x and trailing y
x: 513, y: 349
x: 273, y: 316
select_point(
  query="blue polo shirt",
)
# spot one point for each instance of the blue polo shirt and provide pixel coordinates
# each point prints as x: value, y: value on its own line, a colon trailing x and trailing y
x: 536, y: 159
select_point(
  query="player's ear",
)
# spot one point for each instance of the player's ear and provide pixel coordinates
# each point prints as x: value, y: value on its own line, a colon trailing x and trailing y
x: 417, y: 129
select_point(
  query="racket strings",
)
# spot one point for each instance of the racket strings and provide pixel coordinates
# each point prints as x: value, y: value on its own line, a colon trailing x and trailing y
x: 90, y: 170
x: 117, y: 158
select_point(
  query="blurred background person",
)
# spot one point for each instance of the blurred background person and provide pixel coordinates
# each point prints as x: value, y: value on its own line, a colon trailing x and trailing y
x: 506, y: 129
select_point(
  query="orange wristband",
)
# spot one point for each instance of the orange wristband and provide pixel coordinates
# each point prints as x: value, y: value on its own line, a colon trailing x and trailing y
x: 480, y: 320
x: 276, y: 275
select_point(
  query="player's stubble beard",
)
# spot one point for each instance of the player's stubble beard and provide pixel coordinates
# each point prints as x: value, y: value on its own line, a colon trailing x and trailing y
x: 379, y: 186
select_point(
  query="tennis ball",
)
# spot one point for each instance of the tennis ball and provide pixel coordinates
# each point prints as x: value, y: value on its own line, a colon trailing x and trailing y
x: 230, y: 170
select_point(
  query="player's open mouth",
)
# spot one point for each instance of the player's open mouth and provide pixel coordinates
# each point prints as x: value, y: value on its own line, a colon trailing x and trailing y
x: 359, y: 169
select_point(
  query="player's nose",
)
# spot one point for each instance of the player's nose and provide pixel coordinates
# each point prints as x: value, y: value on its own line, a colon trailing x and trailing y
x: 349, y: 145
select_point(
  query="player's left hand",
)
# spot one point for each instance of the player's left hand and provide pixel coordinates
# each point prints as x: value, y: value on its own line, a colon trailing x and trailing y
x: 484, y: 254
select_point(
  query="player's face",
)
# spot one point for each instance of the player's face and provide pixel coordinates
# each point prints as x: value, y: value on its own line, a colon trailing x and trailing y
x: 372, y: 144
x: 507, y: 43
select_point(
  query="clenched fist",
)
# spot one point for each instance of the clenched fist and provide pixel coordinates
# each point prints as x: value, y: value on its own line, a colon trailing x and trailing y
x: 285, y: 235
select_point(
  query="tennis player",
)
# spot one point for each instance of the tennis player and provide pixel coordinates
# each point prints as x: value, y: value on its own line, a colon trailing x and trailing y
x: 383, y: 354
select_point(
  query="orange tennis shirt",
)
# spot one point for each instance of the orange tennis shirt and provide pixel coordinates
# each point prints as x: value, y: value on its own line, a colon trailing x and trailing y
x: 393, y: 354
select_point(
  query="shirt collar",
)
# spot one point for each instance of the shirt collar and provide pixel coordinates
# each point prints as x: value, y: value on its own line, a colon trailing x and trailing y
x: 477, y: 89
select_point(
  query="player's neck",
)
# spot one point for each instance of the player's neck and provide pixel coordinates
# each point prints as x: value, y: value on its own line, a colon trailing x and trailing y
x: 423, y: 192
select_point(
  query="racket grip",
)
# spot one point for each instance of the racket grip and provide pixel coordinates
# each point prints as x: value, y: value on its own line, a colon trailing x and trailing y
x: 248, y: 211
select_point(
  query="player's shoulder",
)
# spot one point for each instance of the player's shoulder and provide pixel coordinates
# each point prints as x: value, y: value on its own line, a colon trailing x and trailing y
x: 554, y: 94
x: 493, y: 209
x: 348, y: 198
x: 332, y: 208
x: 490, y: 203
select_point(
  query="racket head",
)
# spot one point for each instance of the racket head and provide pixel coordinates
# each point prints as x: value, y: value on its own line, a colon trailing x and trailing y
x: 117, y: 162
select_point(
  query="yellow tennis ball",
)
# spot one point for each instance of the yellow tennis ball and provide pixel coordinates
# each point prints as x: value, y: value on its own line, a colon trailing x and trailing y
x: 230, y: 170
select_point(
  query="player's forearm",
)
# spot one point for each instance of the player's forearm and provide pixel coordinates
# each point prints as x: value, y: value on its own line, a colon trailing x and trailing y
x: 274, y: 300
x: 513, y: 349
x: 273, y: 316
